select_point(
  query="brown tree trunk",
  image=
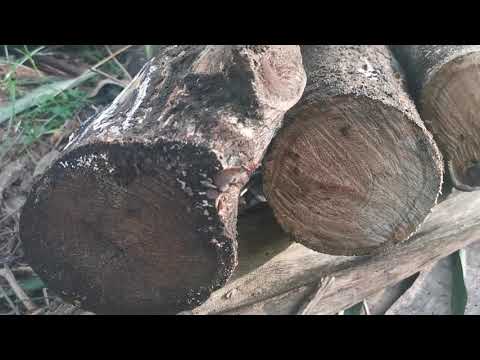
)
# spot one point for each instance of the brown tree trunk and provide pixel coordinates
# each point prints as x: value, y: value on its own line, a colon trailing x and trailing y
x: 138, y: 214
x: 445, y: 80
x: 354, y: 170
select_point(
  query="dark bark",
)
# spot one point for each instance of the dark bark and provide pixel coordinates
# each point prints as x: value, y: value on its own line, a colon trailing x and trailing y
x: 139, y: 213
x: 354, y: 170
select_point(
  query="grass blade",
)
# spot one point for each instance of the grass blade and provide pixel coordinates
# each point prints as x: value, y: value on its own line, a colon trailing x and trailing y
x: 148, y: 51
x: 39, y: 94
x: 459, y: 290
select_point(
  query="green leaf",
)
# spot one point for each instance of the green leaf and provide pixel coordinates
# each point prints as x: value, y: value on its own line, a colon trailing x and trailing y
x: 459, y: 290
x: 354, y: 310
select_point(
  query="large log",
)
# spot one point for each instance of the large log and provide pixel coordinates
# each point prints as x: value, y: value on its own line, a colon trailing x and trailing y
x: 138, y: 214
x: 445, y: 80
x: 289, y: 278
x: 354, y: 170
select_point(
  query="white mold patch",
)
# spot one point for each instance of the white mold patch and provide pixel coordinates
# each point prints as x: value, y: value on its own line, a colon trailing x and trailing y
x: 245, y: 131
x: 141, y: 94
x: 368, y: 71
x: 101, y: 122
x: 231, y: 119
x: 90, y: 161
x: 182, y: 183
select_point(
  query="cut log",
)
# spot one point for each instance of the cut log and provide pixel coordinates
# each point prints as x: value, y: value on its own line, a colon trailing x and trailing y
x: 445, y: 81
x: 354, y: 170
x: 287, y: 280
x: 138, y: 214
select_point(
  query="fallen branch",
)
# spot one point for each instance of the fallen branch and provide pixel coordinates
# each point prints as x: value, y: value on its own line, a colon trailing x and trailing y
x: 282, y: 283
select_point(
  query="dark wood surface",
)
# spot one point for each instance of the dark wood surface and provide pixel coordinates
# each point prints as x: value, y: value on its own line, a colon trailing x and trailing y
x: 138, y: 214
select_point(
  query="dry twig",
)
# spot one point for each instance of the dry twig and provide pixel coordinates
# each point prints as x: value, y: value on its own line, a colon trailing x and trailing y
x: 7, y: 274
x: 9, y: 301
x: 127, y: 74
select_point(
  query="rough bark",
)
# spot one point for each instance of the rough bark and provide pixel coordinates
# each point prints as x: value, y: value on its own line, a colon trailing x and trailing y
x: 139, y: 212
x: 354, y: 169
x: 284, y: 282
x: 444, y: 79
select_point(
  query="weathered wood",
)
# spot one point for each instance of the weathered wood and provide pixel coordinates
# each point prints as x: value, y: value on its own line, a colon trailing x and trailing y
x: 286, y: 281
x: 139, y: 212
x: 354, y: 170
x: 445, y: 80
x: 428, y: 295
x: 380, y: 302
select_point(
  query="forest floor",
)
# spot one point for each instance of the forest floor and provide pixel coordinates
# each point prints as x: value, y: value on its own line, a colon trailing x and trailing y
x: 47, y: 92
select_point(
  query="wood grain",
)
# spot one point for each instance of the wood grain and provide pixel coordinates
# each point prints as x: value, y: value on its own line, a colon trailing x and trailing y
x: 354, y: 169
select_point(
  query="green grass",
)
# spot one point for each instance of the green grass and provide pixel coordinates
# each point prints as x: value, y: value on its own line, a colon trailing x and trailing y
x: 51, y: 114
x: 34, y: 113
x: 93, y: 54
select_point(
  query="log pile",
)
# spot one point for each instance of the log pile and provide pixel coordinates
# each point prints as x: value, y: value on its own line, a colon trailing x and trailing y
x: 138, y: 214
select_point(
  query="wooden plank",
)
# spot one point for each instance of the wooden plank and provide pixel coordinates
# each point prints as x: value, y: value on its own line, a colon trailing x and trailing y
x: 284, y: 282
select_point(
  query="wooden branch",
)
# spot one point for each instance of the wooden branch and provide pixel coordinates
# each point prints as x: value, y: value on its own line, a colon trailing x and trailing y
x: 354, y: 169
x: 138, y: 214
x: 306, y: 308
x: 284, y: 282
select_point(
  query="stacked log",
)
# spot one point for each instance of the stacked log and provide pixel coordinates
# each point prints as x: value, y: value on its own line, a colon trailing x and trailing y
x: 444, y: 80
x: 138, y: 214
x: 354, y: 169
